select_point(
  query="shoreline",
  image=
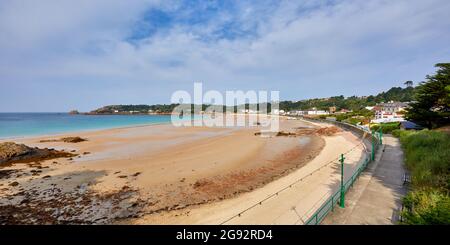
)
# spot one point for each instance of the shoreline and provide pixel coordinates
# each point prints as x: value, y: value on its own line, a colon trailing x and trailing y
x: 81, y: 131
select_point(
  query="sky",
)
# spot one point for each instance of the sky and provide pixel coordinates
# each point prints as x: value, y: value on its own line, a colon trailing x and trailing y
x: 59, y: 55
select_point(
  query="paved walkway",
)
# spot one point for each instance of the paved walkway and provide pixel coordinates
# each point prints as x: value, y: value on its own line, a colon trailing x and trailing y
x: 376, y: 196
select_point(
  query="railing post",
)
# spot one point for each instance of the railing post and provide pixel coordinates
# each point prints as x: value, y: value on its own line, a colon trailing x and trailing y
x: 353, y: 180
x: 332, y: 202
x: 342, y: 201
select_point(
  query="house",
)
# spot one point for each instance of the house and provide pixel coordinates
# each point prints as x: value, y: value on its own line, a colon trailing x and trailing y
x: 332, y: 109
x: 278, y: 112
x: 389, y: 112
x: 294, y: 113
x: 316, y: 112
x: 393, y: 106
x: 344, y: 110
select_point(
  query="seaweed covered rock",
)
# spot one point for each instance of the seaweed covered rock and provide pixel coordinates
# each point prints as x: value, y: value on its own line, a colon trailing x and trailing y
x: 75, y: 139
x: 11, y: 152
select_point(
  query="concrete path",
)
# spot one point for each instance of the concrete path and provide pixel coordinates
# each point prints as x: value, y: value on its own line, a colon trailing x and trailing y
x: 376, y: 195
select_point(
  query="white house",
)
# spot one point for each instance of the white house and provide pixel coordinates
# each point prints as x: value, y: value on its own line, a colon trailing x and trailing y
x: 295, y: 113
x: 316, y: 112
x: 278, y: 112
x: 389, y: 112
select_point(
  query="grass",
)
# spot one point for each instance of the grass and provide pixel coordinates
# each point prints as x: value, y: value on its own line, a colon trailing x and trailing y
x: 387, y: 128
x: 427, y: 157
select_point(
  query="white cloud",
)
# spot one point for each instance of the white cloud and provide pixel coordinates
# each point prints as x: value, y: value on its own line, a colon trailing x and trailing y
x: 303, y: 49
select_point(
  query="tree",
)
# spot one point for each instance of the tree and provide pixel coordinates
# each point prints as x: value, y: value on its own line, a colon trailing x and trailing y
x: 409, y: 84
x: 432, y: 99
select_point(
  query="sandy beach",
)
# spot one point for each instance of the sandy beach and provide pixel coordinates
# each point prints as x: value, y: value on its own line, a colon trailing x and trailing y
x: 161, y: 174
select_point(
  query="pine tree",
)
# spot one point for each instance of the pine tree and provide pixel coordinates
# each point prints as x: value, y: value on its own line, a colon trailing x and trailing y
x: 432, y: 99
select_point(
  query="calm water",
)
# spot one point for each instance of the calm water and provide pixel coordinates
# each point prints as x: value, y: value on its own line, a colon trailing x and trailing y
x: 25, y: 124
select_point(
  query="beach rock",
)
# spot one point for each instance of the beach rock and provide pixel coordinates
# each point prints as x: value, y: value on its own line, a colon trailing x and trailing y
x: 11, y: 152
x: 283, y: 133
x: 75, y: 139
x: 15, y: 183
x: 200, y: 184
x: 136, y: 174
x: 6, y: 174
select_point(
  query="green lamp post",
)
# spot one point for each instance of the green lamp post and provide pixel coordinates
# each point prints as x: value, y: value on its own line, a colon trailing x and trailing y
x: 342, y: 201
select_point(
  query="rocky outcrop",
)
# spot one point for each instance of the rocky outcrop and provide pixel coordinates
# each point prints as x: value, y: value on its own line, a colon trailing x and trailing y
x: 11, y: 152
x: 75, y: 139
x: 323, y: 131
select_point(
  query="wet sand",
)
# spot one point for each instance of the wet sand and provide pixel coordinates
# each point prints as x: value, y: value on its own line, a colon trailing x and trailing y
x: 151, y: 170
x: 293, y: 205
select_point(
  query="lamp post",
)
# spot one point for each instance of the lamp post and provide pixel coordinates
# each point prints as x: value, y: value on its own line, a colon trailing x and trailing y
x: 342, y: 201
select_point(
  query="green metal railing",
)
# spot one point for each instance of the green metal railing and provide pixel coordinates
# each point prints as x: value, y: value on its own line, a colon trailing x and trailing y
x: 338, y: 196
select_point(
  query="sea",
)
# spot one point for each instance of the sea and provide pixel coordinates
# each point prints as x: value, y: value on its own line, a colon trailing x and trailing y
x: 14, y: 125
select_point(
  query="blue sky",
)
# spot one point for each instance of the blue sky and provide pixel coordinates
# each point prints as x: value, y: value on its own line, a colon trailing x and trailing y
x: 58, y: 55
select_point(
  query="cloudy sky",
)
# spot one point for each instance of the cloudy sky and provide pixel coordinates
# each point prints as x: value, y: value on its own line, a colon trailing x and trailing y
x: 57, y: 55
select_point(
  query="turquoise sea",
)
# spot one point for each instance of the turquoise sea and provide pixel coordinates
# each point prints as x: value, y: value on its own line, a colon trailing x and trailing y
x: 31, y: 124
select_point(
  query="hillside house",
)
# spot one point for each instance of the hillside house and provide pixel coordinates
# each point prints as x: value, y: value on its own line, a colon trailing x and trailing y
x: 389, y: 112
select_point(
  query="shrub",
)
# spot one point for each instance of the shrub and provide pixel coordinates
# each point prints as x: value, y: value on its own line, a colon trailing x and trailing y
x: 353, y: 121
x: 426, y: 207
x: 387, y: 128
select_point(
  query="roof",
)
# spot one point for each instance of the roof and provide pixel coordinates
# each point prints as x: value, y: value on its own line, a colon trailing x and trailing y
x: 393, y: 104
x: 410, y: 125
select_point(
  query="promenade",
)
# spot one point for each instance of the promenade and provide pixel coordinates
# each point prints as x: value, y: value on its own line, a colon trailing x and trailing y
x: 375, y: 198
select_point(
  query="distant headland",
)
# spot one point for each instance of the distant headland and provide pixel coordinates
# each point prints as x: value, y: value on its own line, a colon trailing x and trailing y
x: 351, y: 103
